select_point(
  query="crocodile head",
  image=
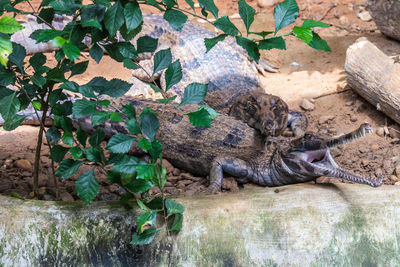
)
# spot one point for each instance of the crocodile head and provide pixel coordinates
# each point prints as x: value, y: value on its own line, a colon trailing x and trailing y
x: 311, y: 158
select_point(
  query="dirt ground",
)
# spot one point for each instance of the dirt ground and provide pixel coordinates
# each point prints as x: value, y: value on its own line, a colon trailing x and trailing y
x: 303, y: 73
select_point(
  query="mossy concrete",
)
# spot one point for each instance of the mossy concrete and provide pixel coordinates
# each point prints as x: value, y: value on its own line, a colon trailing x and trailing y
x: 302, y: 225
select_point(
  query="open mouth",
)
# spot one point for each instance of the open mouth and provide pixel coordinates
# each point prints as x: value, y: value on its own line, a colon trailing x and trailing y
x: 316, y: 156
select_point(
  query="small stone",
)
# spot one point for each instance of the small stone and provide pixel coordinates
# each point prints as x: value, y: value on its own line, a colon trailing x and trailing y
x: 176, y: 172
x: 378, y: 172
x: 171, y: 190
x: 325, y: 119
x: 23, y: 164
x: 186, y: 176
x: 276, y: 191
x: 230, y: 184
x: 8, y: 163
x: 154, y: 190
x: 397, y: 183
x: 168, y: 184
x: 393, y: 178
x: 234, y: 16
x: 5, y: 185
x: 185, y: 182
x: 173, y: 179
x: 306, y: 104
x: 397, y: 171
x: 380, y: 132
x: 344, y: 21
x: 265, y: 3
x: 394, y: 132
x: 31, y: 194
x: 4, y: 156
x: 364, y: 16
x: 353, y: 118
x: 47, y: 197
x: 364, y: 162
x: 26, y: 174
x: 108, y: 197
x: 168, y: 166
x: 189, y: 193
x: 375, y: 147
x: 65, y: 196
x: 349, y: 103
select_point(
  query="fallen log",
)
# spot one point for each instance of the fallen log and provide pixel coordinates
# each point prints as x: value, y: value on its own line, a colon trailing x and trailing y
x: 299, y: 225
x: 374, y: 76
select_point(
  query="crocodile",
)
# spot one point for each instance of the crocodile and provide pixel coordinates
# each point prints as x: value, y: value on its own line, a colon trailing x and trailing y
x: 232, y: 147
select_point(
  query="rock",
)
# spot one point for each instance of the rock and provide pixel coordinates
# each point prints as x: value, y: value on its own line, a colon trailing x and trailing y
x: 364, y: 16
x: 393, y: 178
x: 168, y: 166
x: 154, y: 190
x: 176, y: 172
x: 353, y: 118
x: 168, y: 184
x: 173, y: 179
x: 5, y: 185
x: 397, y: 183
x: 42, y: 190
x: 386, y: 16
x: 306, y: 104
x: 265, y: 3
x: 397, y: 171
x: 171, y: 190
x: 325, y: 119
x: 234, y: 16
x: 47, y: 197
x: 8, y: 163
x: 23, y: 164
x: 194, y: 186
x: 344, y: 21
x: 4, y: 156
x: 26, y: 174
x: 230, y: 184
x: 380, y: 132
x: 189, y: 193
x: 394, y: 132
x: 185, y: 182
x: 186, y: 176
x: 349, y: 103
x: 107, y: 197
x: 65, y: 196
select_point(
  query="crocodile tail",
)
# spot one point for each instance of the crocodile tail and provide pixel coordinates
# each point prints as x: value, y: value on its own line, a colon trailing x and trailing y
x: 364, y: 129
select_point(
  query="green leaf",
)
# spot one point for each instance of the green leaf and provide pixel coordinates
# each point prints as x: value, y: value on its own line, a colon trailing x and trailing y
x: 166, y: 100
x: 104, y: 102
x: 175, y: 18
x: 92, y: 23
x: 129, y: 64
x: 155, y: 4
x: 56, y: 75
x: 211, y: 111
x: 145, y: 171
x: 58, y: 152
x: 97, y: 137
x: 99, y: 84
x: 285, y: 13
x: 81, y: 135
x: 9, y: 25
x: 64, y: 122
x: 310, y: 23
x: 146, y: 220
x: 116, y: 88
x: 96, y: 53
x: 133, y: 15
x: 127, y: 165
x: 13, y: 122
x: 149, y: 125
x: 146, y: 44
x: 127, y: 50
x: 71, y: 51
x: 70, y: 86
x: 200, y: 117
x: 302, y: 33
x: 95, y: 154
x: 209, y: 6
x: 87, y: 91
x: 68, y: 167
x: 162, y: 59
x: 53, y: 135
x: 120, y: 143
x: 18, y: 55
x: 7, y: 77
x: 173, y: 74
x: 177, y: 223
x: 246, y: 12
x: 58, y: 41
x: 87, y: 187
x: 76, y: 152
x: 173, y: 207
x: 211, y: 42
x: 129, y: 111
x: 133, y: 126
x: 144, y: 144
x: 169, y: 3
x: 100, y: 117
x: 5, y: 49
x: 114, y: 18
x: 194, y: 93
x: 37, y: 60
x: 116, y: 116
x: 318, y: 43
x: 139, y: 186
x: 226, y: 26
x: 250, y: 46
x: 191, y: 4
x: 155, y: 149
x: 82, y: 108
x: 79, y: 68
x: 263, y: 34
x: 276, y: 42
x: 144, y: 238
x: 45, y: 35
x: 9, y: 106
x: 68, y: 138
x: 47, y: 14
x: 140, y: 203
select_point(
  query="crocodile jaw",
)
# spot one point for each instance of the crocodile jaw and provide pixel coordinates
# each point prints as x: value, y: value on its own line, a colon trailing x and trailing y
x: 316, y: 163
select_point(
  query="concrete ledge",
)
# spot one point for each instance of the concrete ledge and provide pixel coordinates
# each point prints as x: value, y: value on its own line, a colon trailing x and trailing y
x: 305, y: 224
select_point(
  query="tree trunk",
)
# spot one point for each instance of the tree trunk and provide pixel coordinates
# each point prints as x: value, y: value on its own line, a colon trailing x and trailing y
x: 375, y: 76
x: 302, y: 225
x: 386, y: 15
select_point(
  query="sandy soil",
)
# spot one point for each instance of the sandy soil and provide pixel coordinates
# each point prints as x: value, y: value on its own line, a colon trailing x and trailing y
x: 303, y: 73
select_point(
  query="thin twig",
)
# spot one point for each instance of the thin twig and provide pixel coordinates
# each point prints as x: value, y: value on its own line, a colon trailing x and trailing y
x: 35, y: 13
x: 333, y: 93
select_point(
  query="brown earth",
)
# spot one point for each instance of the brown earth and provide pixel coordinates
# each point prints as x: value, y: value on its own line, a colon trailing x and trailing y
x: 304, y: 73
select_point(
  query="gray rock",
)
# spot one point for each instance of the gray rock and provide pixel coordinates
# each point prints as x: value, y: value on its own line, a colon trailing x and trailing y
x: 307, y: 104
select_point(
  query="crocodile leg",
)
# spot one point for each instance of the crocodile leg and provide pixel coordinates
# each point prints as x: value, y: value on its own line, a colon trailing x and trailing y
x: 240, y: 169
